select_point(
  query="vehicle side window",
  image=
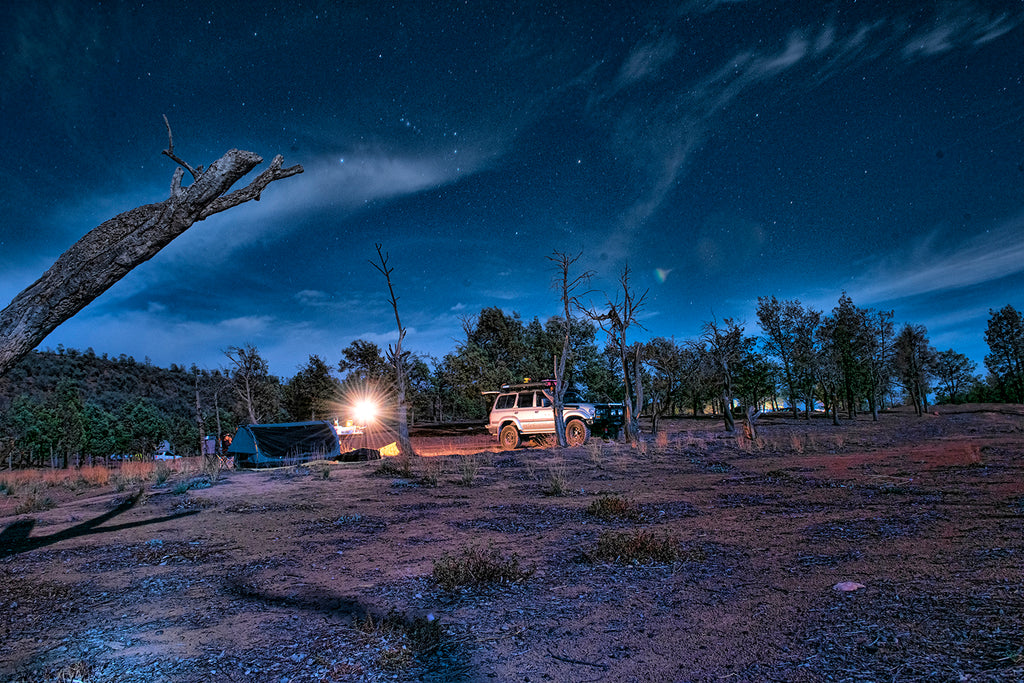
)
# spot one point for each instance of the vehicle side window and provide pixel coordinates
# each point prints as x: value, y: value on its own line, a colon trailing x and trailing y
x: 526, y: 399
x: 505, y: 402
x: 542, y: 400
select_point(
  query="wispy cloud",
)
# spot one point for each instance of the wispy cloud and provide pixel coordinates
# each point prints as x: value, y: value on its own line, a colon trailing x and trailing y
x: 668, y: 116
x: 958, y: 26
x: 931, y: 269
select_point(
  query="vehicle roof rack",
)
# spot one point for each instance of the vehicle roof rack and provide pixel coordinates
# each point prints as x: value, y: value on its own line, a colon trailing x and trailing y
x: 536, y: 384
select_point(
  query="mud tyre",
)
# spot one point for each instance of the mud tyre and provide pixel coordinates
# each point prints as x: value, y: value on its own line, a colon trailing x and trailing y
x: 576, y: 433
x: 509, y: 438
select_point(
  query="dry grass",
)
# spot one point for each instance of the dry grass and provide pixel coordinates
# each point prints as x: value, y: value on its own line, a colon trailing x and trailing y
x: 133, y: 474
x: 430, y: 470
x: 476, y: 567
x: 638, y: 547
x: 558, y: 480
x: 661, y: 442
x: 694, y: 442
x: 611, y: 508
x: 468, y: 467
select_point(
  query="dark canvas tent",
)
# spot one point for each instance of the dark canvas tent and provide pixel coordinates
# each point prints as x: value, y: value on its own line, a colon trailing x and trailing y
x: 276, y: 445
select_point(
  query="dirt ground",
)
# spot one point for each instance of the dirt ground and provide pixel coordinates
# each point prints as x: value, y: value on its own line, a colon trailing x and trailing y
x: 327, y: 573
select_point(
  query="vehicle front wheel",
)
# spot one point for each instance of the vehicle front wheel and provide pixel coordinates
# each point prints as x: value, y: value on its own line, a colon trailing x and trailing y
x: 509, y: 438
x: 576, y: 432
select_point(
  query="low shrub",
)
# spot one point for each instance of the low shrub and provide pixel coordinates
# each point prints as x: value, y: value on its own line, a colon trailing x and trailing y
x: 468, y: 467
x: 95, y: 475
x: 132, y: 474
x: 476, y: 567
x: 161, y: 472
x: 558, y: 481
x: 637, y: 547
x: 200, y: 482
x: 611, y: 508
x: 35, y: 503
x: 394, y: 467
x: 401, y: 643
x: 431, y: 469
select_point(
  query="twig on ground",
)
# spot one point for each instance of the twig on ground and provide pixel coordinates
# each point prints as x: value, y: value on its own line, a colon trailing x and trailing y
x: 569, y: 660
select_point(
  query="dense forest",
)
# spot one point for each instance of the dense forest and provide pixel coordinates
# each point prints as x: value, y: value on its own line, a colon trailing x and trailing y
x: 64, y: 407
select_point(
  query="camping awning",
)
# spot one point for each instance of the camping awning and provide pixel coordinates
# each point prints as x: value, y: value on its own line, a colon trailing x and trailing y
x: 290, y: 443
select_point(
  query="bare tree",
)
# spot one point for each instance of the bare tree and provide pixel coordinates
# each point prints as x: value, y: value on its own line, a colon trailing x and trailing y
x: 250, y: 371
x: 107, y: 253
x: 620, y: 316
x: 563, y: 262
x: 398, y: 358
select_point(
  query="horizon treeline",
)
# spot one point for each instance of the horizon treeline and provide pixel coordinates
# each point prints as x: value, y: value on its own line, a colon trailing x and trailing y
x: 65, y: 407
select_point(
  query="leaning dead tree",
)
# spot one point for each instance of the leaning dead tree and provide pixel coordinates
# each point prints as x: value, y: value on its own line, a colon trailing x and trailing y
x: 107, y: 253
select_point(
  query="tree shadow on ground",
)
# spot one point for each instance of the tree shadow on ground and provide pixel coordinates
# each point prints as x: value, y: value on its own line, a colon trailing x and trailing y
x: 15, y: 538
x: 440, y: 655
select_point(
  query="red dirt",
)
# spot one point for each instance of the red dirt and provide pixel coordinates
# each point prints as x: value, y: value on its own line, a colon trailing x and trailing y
x: 289, y: 576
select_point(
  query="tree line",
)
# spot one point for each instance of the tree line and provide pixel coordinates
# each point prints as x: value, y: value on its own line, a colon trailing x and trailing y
x: 66, y: 407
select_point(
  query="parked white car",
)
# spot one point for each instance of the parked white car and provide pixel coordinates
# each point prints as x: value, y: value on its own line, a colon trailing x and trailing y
x: 525, y: 410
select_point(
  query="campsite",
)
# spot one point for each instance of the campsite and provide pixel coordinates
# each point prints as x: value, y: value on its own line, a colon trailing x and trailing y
x: 868, y: 551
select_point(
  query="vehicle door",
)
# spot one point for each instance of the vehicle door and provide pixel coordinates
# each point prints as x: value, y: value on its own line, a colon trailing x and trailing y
x: 528, y: 412
x: 545, y: 414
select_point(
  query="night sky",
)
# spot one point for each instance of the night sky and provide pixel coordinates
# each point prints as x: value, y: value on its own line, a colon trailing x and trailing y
x: 723, y: 150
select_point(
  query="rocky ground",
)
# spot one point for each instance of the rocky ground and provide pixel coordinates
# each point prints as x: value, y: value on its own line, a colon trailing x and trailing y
x: 697, y: 556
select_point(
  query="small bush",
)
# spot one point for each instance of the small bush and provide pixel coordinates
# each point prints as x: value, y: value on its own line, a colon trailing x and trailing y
x: 610, y: 508
x: 431, y: 471
x: 478, y: 567
x: 212, y: 468
x: 95, y: 475
x: 401, y: 640
x: 395, y: 467
x: 76, y: 672
x: 468, y: 467
x: 161, y: 472
x: 558, y: 481
x: 636, y: 547
x: 35, y: 503
x: 200, y: 482
x: 132, y: 474
x: 661, y: 442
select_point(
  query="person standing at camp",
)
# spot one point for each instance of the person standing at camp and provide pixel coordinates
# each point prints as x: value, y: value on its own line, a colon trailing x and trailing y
x: 225, y: 443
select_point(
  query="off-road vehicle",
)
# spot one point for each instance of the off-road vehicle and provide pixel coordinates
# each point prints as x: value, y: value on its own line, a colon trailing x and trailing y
x: 525, y: 410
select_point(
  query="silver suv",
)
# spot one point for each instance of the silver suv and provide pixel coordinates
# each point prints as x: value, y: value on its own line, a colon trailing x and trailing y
x: 525, y: 410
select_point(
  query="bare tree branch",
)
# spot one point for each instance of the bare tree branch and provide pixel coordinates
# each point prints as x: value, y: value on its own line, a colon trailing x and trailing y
x: 108, y: 252
x: 170, y: 152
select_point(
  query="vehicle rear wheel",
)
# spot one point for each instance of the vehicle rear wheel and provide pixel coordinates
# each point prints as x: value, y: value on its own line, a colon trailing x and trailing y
x: 509, y: 438
x: 576, y: 432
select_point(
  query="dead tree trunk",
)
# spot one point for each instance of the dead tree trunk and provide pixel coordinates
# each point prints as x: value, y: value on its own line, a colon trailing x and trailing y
x: 398, y: 357
x: 107, y: 253
x: 569, y: 301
